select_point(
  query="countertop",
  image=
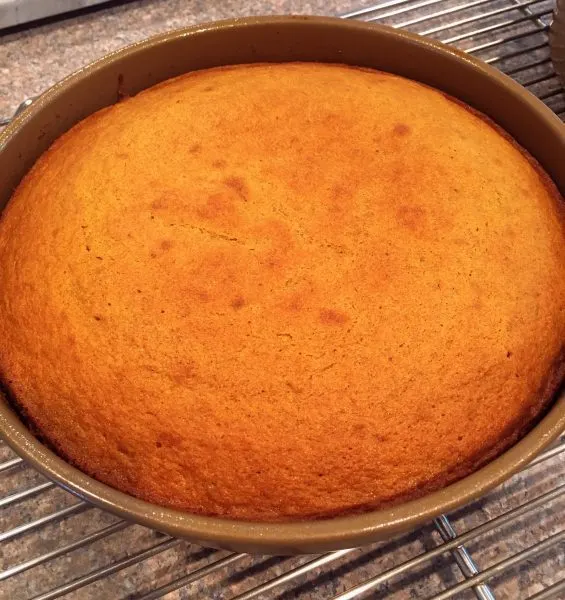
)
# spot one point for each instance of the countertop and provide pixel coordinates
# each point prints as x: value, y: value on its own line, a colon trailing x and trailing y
x: 30, y: 61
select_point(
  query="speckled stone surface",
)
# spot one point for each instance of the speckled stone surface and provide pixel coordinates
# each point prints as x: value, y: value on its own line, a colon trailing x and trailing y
x: 30, y: 61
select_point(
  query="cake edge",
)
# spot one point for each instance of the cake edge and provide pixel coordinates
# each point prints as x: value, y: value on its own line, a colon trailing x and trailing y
x: 534, y: 413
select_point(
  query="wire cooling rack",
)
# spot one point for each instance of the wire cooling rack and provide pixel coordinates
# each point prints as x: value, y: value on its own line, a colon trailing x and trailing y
x: 510, y: 545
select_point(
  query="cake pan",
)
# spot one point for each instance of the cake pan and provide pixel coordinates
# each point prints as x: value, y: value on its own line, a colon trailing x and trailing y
x: 281, y: 39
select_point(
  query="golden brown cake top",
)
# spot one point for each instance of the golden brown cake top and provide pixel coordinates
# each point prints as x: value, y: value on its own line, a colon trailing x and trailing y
x: 282, y: 291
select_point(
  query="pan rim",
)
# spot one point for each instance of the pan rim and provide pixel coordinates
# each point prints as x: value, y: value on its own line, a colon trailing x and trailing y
x: 292, y: 536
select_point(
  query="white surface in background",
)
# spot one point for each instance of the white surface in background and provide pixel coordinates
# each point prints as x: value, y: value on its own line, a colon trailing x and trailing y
x: 16, y: 12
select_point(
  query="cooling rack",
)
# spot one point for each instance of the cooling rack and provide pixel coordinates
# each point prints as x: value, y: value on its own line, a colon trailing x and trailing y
x: 510, y: 545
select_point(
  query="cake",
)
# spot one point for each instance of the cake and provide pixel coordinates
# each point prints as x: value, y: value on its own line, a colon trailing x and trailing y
x: 278, y: 292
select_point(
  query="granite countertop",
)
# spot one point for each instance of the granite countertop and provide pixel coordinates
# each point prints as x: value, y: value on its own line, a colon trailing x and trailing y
x: 30, y: 61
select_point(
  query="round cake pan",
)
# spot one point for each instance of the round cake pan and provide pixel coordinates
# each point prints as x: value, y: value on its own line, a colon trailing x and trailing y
x: 281, y: 39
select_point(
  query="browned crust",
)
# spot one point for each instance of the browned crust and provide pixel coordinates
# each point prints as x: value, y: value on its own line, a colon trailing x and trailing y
x: 545, y: 179
x: 513, y: 431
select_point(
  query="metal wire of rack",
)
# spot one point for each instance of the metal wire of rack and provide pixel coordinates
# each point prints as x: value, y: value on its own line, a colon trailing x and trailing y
x: 508, y: 545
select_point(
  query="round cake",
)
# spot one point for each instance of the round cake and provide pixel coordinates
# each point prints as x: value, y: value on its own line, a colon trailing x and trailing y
x: 282, y: 291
